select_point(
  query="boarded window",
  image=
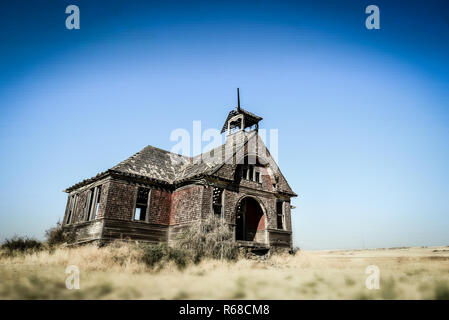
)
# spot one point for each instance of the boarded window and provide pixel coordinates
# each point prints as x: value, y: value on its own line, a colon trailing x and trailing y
x: 140, y: 214
x: 280, y: 216
x: 217, y: 201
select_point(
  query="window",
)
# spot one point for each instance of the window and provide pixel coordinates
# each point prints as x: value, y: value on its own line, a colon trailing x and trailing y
x: 92, y: 203
x: 72, y: 207
x: 217, y: 201
x: 251, y: 172
x: 280, y: 215
x: 140, y: 214
x: 97, y: 202
x: 245, y: 173
x: 88, y: 206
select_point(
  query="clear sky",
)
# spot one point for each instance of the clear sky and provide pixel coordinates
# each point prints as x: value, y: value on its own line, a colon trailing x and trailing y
x: 363, y: 115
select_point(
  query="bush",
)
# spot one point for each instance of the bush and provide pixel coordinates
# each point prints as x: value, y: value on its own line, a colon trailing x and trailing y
x: 178, y: 256
x: 57, y: 235
x: 21, y: 244
x: 154, y: 254
x: 208, y: 238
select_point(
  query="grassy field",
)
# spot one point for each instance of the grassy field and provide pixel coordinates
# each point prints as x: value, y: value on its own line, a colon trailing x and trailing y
x: 116, y: 272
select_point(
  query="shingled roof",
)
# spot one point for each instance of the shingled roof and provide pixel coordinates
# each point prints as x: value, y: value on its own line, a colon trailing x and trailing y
x: 169, y: 168
x: 154, y: 163
x: 158, y: 165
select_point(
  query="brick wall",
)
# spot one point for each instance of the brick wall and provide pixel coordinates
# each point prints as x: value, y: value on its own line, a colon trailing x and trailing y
x: 160, y: 207
x: 186, y: 204
x: 121, y: 200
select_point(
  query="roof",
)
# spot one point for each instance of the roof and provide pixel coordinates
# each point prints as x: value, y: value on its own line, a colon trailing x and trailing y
x: 154, y: 163
x: 168, y: 168
x: 250, y: 118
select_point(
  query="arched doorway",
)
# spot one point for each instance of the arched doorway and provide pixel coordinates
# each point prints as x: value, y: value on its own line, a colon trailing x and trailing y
x: 250, y: 221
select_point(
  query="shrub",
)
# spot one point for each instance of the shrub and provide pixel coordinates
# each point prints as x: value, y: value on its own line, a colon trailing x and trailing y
x: 178, y: 256
x: 208, y: 238
x: 57, y: 235
x: 21, y: 244
x: 154, y: 254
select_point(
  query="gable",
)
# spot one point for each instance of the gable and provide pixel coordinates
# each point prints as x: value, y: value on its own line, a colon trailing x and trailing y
x: 255, y: 150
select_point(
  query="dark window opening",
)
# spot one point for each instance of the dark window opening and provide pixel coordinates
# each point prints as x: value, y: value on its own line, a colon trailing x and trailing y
x: 245, y: 173
x: 69, y: 217
x: 140, y: 214
x: 280, y: 215
x: 249, y: 173
x: 217, y: 201
x: 235, y: 125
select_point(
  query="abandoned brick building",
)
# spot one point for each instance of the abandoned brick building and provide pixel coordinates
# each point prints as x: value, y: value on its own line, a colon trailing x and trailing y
x: 154, y: 194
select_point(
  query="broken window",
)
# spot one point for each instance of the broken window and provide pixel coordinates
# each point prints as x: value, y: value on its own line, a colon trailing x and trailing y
x: 97, y: 202
x: 280, y: 214
x: 251, y: 172
x: 72, y: 207
x: 92, y: 203
x: 140, y: 214
x: 217, y: 201
x: 245, y: 173
x: 88, y: 206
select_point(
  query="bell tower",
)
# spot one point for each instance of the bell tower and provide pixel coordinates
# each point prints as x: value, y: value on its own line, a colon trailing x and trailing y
x: 239, y: 119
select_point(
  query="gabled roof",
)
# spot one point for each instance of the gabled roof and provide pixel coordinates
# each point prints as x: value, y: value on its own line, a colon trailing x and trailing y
x: 168, y: 168
x: 250, y: 118
x: 154, y: 163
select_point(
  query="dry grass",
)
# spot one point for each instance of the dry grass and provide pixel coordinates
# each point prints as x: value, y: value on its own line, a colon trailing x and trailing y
x: 116, y: 272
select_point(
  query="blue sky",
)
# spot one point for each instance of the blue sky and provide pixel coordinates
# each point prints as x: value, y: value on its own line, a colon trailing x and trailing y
x: 363, y: 115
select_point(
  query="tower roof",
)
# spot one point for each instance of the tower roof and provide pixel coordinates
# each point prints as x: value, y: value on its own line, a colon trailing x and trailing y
x: 250, y: 118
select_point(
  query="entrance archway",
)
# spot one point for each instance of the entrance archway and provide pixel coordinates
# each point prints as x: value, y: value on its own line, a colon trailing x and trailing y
x: 250, y: 221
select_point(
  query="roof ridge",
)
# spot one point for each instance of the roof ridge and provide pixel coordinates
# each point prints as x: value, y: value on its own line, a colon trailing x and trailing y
x: 176, y: 154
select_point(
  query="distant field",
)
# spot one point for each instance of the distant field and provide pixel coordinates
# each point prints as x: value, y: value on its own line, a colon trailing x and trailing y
x: 117, y: 273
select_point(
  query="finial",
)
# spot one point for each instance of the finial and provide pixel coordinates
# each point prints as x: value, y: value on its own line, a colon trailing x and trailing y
x: 238, y: 100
